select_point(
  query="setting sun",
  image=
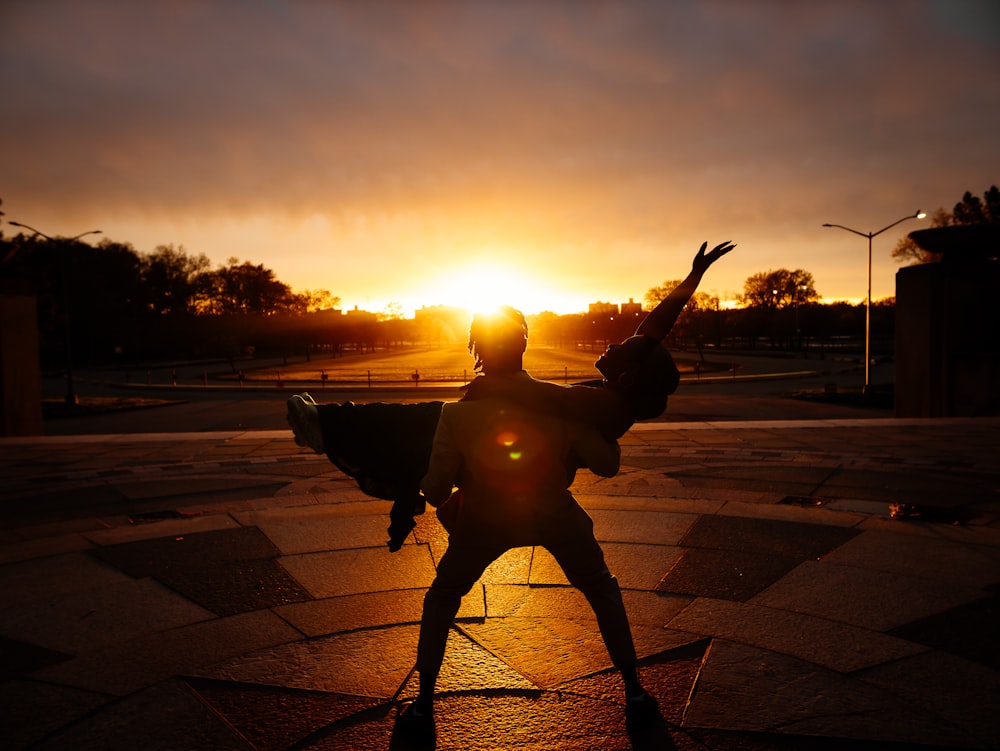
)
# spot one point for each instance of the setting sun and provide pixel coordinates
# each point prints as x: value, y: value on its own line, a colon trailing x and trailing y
x: 485, y: 286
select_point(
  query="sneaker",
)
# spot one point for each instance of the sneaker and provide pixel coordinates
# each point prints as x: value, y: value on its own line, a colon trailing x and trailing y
x: 304, y: 419
x: 641, y: 709
x: 417, y: 727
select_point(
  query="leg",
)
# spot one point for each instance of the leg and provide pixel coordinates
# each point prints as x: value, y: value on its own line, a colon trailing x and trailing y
x: 459, y: 569
x: 582, y: 560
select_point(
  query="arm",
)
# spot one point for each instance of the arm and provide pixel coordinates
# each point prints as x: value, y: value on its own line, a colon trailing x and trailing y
x: 596, y: 453
x: 663, y: 317
x: 589, y: 404
x: 444, y: 466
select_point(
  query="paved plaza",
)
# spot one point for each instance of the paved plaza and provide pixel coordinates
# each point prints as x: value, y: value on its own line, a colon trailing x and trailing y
x: 230, y: 590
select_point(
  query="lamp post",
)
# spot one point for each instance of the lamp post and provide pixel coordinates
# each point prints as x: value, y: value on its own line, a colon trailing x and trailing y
x: 71, y: 398
x: 868, y: 300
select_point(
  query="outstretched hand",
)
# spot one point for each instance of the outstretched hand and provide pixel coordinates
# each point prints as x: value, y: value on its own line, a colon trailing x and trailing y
x: 703, y: 260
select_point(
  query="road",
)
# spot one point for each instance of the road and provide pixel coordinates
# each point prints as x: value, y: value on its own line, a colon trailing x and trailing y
x: 759, y: 391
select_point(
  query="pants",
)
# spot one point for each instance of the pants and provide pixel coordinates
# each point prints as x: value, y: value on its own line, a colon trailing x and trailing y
x: 578, y: 554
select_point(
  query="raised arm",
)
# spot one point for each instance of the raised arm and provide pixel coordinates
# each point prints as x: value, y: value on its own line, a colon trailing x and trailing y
x: 663, y: 317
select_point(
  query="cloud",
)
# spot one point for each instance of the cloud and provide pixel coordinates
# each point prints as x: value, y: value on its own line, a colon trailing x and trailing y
x: 565, y: 127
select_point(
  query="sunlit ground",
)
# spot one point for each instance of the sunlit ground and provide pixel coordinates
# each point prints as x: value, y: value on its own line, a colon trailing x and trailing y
x: 451, y: 363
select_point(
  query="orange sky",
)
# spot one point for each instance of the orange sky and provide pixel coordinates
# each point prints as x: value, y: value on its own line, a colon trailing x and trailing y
x: 551, y: 153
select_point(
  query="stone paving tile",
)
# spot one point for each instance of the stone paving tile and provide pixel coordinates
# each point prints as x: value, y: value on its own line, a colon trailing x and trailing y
x: 652, y: 527
x: 762, y: 480
x: 161, y: 528
x: 513, y: 567
x: 653, y: 608
x: 933, y: 559
x: 220, y: 487
x: 33, y: 709
x: 870, y: 599
x: 784, y: 511
x: 765, y: 536
x: 352, y: 612
x: 20, y: 658
x: 524, y: 722
x: 833, y: 645
x: 124, y: 668
x: 56, y: 504
x: 312, y: 528
x: 276, y: 718
x: 506, y: 601
x: 945, y: 686
x: 968, y: 630
x: 941, y: 489
x: 29, y: 547
x: 232, y: 587
x: 571, y: 647
x: 668, y: 676
x: 635, y: 566
x: 677, y: 503
x: 510, y: 605
x: 346, y: 572
x: 99, y: 618
x: 725, y: 574
x: 986, y: 539
x: 372, y: 663
x: 745, y: 688
x: 58, y: 576
x: 163, y: 718
x: 227, y: 571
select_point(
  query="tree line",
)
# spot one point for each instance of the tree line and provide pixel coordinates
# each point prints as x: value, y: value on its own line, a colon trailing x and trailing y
x: 107, y: 301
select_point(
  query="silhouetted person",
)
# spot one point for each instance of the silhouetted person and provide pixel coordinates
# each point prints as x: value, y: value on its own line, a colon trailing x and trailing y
x: 386, y: 447
x: 513, y: 466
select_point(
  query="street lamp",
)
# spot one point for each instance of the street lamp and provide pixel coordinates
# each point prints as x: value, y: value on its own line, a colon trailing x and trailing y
x: 868, y: 299
x: 71, y: 399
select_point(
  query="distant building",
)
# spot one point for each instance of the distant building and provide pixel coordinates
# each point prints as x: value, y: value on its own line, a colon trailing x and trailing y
x: 631, y: 308
x: 443, y: 322
x: 360, y: 316
x: 602, y: 309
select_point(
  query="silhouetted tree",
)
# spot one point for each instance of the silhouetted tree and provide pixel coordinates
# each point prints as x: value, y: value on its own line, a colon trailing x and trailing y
x: 171, y: 279
x: 970, y: 210
x: 778, y: 289
x: 316, y: 300
x: 246, y: 288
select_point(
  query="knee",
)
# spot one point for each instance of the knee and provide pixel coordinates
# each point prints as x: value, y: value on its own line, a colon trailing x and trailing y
x: 446, y: 594
x: 600, y: 581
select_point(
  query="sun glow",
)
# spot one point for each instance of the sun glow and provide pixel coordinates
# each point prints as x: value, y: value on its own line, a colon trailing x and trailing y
x: 482, y: 287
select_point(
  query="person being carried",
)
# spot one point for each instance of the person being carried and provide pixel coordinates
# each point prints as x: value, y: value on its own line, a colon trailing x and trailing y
x: 512, y: 467
x: 386, y: 447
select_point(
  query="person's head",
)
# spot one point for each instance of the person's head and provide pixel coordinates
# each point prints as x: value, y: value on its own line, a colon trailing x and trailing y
x: 498, y: 339
x: 643, y: 372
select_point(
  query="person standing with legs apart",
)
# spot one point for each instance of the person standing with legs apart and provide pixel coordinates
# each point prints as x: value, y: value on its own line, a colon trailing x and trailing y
x: 512, y: 466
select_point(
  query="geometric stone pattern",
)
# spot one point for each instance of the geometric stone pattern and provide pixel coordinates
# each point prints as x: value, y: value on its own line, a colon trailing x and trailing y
x: 266, y: 612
